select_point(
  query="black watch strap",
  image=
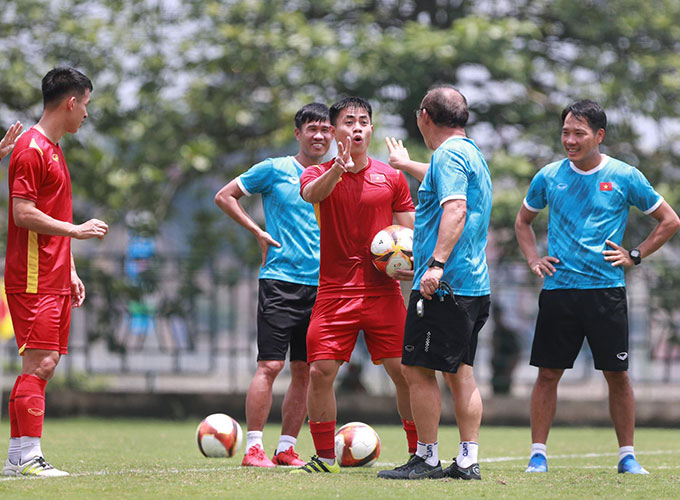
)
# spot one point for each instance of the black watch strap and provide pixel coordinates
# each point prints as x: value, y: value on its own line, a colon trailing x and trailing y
x: 635, y: 256
x: 435, y: 263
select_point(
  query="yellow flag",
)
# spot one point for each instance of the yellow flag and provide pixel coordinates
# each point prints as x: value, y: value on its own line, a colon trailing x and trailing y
x: 6, y: 330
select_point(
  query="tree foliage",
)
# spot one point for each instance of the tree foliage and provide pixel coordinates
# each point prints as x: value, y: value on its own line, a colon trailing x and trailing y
x: 196, y: 91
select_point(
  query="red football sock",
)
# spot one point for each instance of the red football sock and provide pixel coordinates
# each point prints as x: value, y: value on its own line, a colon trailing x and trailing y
x: 411, y: 435
x: 323, y: 434
x: 29, y: 402
x: 13, y: 422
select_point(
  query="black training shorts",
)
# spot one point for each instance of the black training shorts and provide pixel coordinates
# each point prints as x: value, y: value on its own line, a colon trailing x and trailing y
x: 566, y: 317
x: 283, y: 313
x: 446, y: 335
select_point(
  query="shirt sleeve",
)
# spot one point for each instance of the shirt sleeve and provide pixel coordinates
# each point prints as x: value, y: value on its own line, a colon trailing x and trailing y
x: 309, y: 174
x: 452, y: 173
x: 257, y: 179
x: 641, y: 193
x: 536, y: 199
x: 29, y: 170
x: 402, y: 201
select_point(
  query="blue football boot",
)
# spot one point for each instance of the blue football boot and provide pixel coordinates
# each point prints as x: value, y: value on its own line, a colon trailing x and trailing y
x: 630, y: 465
x: 538, y: 463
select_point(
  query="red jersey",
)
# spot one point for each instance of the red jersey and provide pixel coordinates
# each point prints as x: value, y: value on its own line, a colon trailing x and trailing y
x: 360, y: 205
x: 39, y: 263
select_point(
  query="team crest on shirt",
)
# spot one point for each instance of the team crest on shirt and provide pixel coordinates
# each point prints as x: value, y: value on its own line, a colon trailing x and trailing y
x: 606, y: 186
x: 377, y: 178
x: 55, y: 157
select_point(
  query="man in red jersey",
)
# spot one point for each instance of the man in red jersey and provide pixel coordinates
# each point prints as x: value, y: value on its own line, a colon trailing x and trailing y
x: 40, y: 276
x: 354, y: 196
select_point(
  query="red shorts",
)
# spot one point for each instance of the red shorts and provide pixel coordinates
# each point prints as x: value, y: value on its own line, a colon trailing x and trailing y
x: 40, y: 321
x: 335, y: 325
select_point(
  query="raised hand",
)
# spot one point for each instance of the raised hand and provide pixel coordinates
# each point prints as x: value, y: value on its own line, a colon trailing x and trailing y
x: 10, y: 139
x: 344, y: 159
x: 398, y: 153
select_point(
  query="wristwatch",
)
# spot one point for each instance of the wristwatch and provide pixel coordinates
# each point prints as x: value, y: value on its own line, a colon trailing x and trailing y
x: 435, y: 263
x: 635, y: 255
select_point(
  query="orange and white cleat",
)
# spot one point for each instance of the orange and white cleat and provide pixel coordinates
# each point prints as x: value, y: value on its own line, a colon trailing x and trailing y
x: 256, y: 457
x: 288, y: 457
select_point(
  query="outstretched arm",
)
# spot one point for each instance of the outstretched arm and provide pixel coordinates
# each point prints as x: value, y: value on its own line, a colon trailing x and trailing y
x: 400, y: 159
x: 28, y: 216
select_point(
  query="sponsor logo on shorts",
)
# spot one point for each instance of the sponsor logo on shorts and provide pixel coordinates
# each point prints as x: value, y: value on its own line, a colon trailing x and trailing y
x: 36, y: 412
x: 622, y: 356
x: 409, y: 348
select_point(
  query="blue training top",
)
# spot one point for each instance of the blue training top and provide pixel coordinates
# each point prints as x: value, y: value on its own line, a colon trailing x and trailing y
x: 585, y: 209
x: 288, y: 219
x: 457, y: 171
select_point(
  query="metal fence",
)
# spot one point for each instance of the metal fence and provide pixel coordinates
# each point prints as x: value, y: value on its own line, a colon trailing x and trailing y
x: 178, y: 328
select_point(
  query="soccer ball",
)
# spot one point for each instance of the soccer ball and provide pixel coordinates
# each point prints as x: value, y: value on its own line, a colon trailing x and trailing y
x: 356, y: 445
x: 219, y: 435
x: 392, y: 249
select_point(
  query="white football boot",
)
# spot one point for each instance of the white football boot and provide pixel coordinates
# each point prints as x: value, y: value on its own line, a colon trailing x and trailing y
x: 39, y: 467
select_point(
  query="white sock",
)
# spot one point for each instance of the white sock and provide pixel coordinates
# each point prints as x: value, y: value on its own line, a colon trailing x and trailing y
x: 14, y: 452
x: 429, y: 451
x: 253, y: 438
x: 328, y: 461
x: 467, y: 454
x: 285, y: 442
x: 539, y: 448
x: 626, y: 450
x: 30, y: 448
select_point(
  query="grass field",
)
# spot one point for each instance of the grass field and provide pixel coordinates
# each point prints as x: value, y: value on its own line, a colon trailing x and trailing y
x: 159, y: 459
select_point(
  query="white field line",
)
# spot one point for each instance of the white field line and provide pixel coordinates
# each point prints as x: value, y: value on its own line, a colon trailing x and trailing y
x: 378, y: 465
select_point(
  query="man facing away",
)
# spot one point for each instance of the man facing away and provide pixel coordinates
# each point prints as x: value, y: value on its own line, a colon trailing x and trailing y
x: 449, y: 302
x: 40, y: 275
x: 355, y: 196
x: 288, y: 281
x: 589, y: 195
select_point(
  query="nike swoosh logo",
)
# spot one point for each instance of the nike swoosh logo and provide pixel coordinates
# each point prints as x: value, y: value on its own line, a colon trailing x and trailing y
x: 419, y: 475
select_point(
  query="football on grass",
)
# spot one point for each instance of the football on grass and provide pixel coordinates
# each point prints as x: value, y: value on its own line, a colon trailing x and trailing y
x: 219, y: 435
x: 356, y: 445
x: 392, y: 249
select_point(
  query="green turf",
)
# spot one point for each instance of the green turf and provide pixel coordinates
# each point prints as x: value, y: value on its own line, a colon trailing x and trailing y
x: 159, y: 459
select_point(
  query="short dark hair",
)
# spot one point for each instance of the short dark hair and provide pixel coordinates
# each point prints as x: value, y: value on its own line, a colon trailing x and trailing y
x: 349, y: 102
x: 588, y: 110
x: 62, y: 81
x: 312, y: 112
x: 446, y: 106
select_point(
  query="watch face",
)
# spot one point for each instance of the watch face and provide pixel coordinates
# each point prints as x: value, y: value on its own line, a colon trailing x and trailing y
x: 635, y: 253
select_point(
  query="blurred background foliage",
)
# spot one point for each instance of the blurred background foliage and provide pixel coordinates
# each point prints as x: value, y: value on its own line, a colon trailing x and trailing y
x: 190, y: 93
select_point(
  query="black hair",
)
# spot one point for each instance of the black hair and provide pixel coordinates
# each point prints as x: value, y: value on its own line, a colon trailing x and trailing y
x: 349, y: 102
x: 61, y: 81
x: 446, y: 106
x: 588, y: 110
x: 312, y: 112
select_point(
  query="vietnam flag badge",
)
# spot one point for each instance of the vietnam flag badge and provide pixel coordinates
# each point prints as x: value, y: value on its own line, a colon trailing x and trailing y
x: 606, y: 186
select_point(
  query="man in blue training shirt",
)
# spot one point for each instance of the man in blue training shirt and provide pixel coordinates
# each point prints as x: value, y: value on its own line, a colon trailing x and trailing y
x: 589, y: 195
x: 288, y: 281
x: 449, y: 302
